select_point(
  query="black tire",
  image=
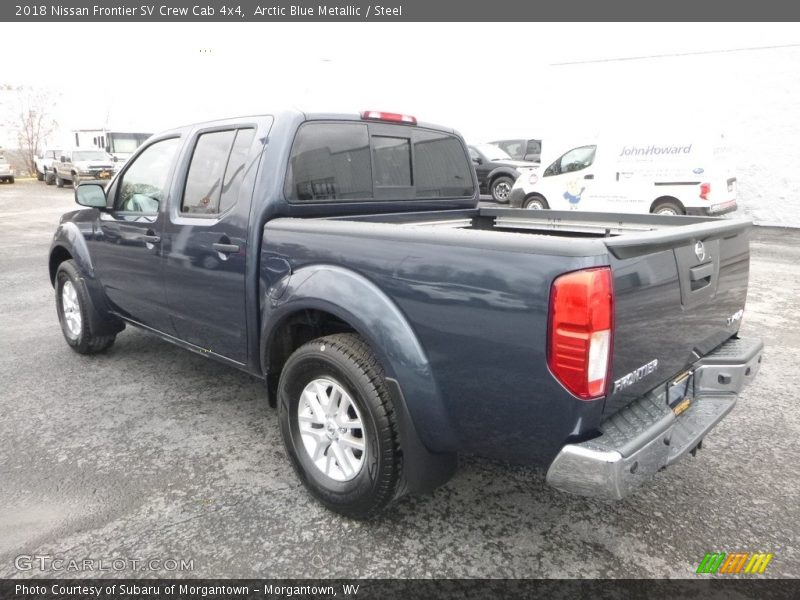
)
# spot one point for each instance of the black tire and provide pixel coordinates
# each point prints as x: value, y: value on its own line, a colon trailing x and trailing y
x: 49, y: 177
x: 501, y: 189
x: 39, y: 175
x: 668, y: 207
x: 83, y: 341
x: 346, y: 360
x: 535, y: 202
x: 59, y: 181
x: 76, y: 181
x: 10, y: 180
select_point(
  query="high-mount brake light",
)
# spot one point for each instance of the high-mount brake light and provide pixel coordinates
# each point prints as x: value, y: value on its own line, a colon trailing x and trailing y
x: 579, y: 340
x: 376, y: 115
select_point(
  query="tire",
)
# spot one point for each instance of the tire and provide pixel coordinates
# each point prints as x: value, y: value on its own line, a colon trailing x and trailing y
x: 76, y: 181
x: 39, y: 175
x: 10, y: 180
x: 535, y: 202
x: 318, y: 372
x: 49, y: 177
x: 669, y: 208
x: 59, y: 181
x: 74, y: 312
x: 501, y: 189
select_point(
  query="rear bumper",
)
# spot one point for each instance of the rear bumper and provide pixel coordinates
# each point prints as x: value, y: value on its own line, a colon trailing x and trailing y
x: 647, y: 436
x: 714, y: 210
x: 516, y: 197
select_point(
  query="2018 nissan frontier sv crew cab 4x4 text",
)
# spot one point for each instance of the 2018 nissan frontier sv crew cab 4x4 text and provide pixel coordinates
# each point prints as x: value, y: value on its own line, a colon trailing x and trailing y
x: 345, y: 260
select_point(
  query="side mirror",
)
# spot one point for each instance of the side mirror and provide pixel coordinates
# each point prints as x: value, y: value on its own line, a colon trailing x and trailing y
x: 91, y: 194
x: 477, y: 160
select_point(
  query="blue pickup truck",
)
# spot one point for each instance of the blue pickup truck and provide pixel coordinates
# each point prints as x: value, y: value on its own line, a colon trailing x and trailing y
x: 345, y: 259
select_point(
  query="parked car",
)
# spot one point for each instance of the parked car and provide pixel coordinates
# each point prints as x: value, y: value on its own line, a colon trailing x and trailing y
x: 44, y: 162
x: 395, y: 322
x: 496, y: 170
x: 82, y: 164
x: 6, y: 172
x: 666, y: 175
x: 522, y: 149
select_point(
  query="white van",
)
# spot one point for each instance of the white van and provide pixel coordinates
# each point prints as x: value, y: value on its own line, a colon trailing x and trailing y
x: 670, y: 175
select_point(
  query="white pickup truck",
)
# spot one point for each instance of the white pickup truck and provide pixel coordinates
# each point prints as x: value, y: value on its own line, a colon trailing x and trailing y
x: 44, y: 164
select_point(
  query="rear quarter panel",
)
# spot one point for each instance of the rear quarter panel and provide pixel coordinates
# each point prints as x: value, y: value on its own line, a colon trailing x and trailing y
x: 477, y: 302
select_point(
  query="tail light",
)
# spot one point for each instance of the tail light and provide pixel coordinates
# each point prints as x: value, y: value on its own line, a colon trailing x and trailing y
x: 705, y: 190
x: 579, y: 336
x: 376, y: 115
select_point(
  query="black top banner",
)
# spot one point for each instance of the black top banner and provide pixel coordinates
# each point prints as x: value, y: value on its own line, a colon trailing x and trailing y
x: 399, y: 10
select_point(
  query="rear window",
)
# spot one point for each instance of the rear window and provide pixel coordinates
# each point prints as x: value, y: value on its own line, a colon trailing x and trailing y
x: 333, y: 162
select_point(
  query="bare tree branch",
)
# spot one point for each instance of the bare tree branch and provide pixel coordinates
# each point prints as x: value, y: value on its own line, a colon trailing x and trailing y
x: 31, y: 120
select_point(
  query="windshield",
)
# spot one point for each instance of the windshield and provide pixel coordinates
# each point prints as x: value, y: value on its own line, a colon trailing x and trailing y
x: 123, y: 144
x: 89, y: 155
x: 492, y: 152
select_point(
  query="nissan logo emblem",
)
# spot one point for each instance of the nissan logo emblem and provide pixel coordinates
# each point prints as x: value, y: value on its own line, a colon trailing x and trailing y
x: 700, y: 251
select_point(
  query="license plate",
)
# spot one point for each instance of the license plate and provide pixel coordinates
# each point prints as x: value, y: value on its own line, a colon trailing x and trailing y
x: 104, y: 175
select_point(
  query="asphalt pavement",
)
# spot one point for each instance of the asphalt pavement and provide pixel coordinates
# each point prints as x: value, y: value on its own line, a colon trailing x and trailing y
x: 151, y: 453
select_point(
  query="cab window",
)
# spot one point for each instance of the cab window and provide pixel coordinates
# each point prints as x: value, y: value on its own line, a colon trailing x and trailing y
x: 574, y: 160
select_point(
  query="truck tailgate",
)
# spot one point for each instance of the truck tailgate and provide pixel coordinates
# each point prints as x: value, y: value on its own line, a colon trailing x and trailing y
x: 679, y: 293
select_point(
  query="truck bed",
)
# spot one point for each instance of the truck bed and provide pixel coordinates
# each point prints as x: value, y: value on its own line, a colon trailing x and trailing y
x: 475, y: 285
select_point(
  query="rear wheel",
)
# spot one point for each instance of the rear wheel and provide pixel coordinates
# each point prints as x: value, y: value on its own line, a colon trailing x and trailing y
x: 10, y: 180
x: 669, y: 208
x: 536, y: 202
x: 75, y: 311
x: 339, y: 425
x: 501, y: 188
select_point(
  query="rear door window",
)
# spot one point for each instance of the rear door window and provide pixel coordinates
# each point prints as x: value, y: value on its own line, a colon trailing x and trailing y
x: 216, y: 171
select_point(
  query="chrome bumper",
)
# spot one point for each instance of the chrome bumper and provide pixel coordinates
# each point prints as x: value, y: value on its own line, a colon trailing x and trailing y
x: 647, y: 436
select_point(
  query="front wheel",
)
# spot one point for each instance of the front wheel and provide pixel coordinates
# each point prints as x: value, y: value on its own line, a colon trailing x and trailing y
x: 74, y: 305
x: 59, y: 181
x: 49, y: 177
x: 75, y: 181
x: 501, y: 188
x: 668, y: 208
x: 536, y: 202
x: 339, y: 425
x: 39, y: 175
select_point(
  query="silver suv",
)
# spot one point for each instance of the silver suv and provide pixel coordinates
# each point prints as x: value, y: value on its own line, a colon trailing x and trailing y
x: 81, y: 164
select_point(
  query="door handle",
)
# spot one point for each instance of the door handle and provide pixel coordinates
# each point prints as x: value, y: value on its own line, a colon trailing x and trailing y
x: 225, y: 248
x: 589, y: 176
x: 151, y: 239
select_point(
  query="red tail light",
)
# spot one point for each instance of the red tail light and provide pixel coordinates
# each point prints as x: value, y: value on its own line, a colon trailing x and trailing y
x: 580, y: 327
x: 705, y: 190
x: 376, y: 115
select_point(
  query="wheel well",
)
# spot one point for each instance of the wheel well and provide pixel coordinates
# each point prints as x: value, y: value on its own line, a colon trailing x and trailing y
x: 294, y: 331
x: 497, y: 176
x: 57, y: 256
x: 664, y: 199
